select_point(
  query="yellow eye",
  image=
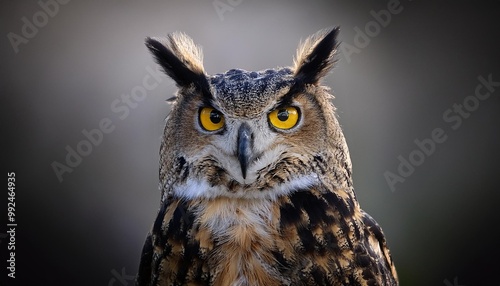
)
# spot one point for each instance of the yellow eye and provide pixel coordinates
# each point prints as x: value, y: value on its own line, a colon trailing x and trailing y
x: 211, y: 119
x: 284, y: 118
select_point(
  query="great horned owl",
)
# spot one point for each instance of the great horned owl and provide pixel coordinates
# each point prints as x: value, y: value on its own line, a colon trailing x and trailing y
x: 256, y: 180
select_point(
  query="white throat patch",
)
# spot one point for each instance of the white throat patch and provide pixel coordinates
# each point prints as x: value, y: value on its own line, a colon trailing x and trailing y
x: 201, y: 189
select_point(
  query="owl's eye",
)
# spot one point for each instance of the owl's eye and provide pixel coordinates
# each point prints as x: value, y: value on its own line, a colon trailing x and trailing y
x: 284, y: 117
x: 211, y: 119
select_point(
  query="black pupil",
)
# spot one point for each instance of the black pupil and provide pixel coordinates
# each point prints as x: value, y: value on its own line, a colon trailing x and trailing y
x: 283, y: 114
x: 215, y: 117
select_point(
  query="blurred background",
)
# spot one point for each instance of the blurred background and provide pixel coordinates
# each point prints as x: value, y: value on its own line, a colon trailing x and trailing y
x: 405, y: 69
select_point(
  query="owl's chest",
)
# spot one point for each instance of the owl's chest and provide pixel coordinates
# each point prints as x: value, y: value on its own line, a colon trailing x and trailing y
x: 240, y: 239
x: 297, y: 240
x: 221, y: 242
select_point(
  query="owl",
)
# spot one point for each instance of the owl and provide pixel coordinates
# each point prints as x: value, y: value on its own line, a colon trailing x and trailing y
x: 255, y: 179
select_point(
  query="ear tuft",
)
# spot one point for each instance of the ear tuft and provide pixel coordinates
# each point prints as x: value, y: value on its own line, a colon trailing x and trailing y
x: 179, y: 57
x: 315, y: 56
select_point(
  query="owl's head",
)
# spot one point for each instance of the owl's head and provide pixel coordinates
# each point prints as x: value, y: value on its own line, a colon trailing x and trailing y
x: 250, y: 134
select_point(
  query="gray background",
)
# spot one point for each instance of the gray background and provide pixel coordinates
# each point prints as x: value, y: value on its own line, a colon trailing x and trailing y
x: 89, y: 229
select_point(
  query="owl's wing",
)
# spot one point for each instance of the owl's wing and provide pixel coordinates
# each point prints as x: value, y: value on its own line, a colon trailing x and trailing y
x: 376, y: 241
x: 144, y: 274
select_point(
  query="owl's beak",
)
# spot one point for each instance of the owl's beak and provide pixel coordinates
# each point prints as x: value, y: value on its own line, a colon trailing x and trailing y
x: 245, y: 144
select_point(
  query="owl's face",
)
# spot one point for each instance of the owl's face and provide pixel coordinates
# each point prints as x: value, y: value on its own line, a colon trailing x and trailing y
x: 246, y: 134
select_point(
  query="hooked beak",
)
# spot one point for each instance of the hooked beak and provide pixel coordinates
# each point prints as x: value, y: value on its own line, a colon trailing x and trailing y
x: 245, y: 144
